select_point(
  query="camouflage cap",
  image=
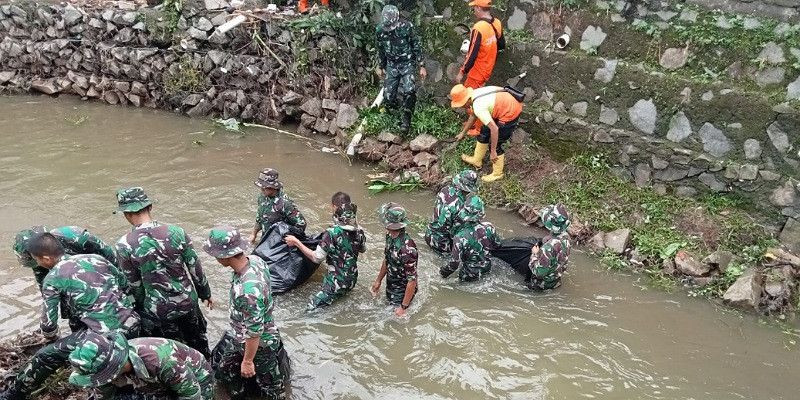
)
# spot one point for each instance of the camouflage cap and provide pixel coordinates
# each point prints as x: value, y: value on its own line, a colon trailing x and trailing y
x: 98, y: 359
x: 21, y: 244
x: 345, y: 214
x: 268, y: 178
x: 473, y: 210
x: 555, y: 218
x: 390, y: 16
x: 393, y: 216
x: 225, y: 242
x: 132, y: 199
x: 466, y: 180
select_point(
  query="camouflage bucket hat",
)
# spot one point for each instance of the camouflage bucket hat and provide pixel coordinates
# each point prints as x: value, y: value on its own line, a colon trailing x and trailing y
x: 21, y: 244
x: 473, y: 210
x: 98, y: 360
x: 393, y: 216
x: 132, y: 199
x: 466, y: 180
x: 345, y: 214
x: 268, y: 178
x: 555, y: 218
x: 225, y: 242
x: 390, y: 16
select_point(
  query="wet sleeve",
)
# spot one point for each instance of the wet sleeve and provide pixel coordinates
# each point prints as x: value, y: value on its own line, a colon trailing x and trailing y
x: 51, y: 298
x: 293, y: 216
x: 441, y: 214
x: 131, y: 272
x: 474, y: 46
x: 381, y: 48
x: 250, y: 304
x: 410, y: 257
x: 192, y: 263
x: 181, y: 382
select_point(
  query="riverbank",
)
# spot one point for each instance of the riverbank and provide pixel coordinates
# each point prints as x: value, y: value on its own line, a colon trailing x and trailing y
x: 653, y: 192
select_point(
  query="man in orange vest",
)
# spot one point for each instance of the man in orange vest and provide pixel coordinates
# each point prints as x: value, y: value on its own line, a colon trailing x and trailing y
x: 302, y: 5
x: 485, y: 39
x: 499, y: 112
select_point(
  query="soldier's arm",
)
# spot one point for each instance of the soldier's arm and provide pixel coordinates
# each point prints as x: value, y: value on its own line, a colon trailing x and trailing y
x: 251, y: 303
x: 131, y: 272
x: 540, y: 262
x: 416, y: 47
x: 192, y: 263
x: 410, y: 257
x: 455, y: 260
x: 442, y: 214
x: 293, y: 215
x: 381, y: 49
x: 51, y: 298
x: 362, y: 241
x: 94, y: 245
x: 180, y: 381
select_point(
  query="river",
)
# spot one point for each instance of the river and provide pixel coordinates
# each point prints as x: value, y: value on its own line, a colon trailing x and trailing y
x: 602, y: 335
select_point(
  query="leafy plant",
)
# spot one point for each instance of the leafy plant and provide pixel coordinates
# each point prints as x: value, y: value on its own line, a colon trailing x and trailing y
x: 184, y: 77
x: 376, y: 186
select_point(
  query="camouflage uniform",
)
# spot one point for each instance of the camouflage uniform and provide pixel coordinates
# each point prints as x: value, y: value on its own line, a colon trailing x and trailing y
x: 278, y: 208
x: 161, y: 368
x: 166, y: 278
x: 340, y: 246
x: 401, y: 260
x: 472, y: 243
x: 449, y: 202
x: 400, y: 56
x: 550, y: 263
x: 75, y: 240
x: 94, y: 290
x: 251, y: 307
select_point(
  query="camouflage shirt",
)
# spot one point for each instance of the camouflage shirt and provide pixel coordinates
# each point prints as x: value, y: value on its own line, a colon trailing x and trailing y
x: 341, y: 247
x: 278, y: 208
x: 471, y: 246
x: 399, y: 45
x: 167, y: 368
x: 251, y: 305
x: 401, y: 264
x: 444, y: 223
x: 92, y: 288
x: 551, y: 262
x: 163, y: 270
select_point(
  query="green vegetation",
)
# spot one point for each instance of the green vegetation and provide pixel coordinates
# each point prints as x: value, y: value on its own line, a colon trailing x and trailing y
x: 376, y: 186
x: 429, y: 118
x: 519, y: 36
x: 184, y: 78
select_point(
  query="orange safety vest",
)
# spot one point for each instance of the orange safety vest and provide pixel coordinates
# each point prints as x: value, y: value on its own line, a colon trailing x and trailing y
x: 482, y: 55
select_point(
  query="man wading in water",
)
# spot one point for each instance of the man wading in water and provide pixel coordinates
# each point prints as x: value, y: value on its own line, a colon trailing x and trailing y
x: 252, y: 352
x: 339, y: 248
x: 472, y: 243
x: 399, y: 260
x: 274, y: 206
x: 449, y: 202
x: 164, y: 273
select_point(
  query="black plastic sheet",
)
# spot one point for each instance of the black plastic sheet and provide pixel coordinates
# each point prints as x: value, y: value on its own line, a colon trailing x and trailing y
x: 288, y: 268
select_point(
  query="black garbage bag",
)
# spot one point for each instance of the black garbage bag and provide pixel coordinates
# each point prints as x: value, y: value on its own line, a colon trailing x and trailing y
x: 288, y: 268
x: 516, y: 252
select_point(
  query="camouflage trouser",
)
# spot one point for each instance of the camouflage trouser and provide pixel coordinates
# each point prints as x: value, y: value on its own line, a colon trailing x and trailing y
x: 48, y: 360
x: 189, y: 329
x: 396, y: 291
x: 545, y: 278
x: 272, y: 369
x: 399, y: 87
x: 440, y: 242
x: 332, y: 289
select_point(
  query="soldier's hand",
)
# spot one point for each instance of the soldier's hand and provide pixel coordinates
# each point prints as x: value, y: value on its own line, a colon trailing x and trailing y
x: 253, y: 237
x: 400, y: 312
x: 209, y: 303
x: 248, y: 369
x: 375, y: 288
x: 535, y: 250
x: 423, y: 73
x: 379, y: 72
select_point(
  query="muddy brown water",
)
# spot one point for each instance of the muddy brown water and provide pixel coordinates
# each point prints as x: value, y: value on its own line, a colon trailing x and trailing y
x: 603, y: 335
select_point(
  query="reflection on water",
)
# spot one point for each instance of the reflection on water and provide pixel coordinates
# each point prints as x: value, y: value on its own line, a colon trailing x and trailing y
x: 599, y: 336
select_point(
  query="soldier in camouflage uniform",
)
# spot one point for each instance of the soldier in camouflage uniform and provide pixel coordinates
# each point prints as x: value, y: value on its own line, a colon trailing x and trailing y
x: 157, y: 368
x: 549, y: 262
x: 472, y: 243
x: 274, y: 205
x: 399, y: 54
x: 94, y: 290
x: 164, y: 273
x: 75, y: 240
x: 252, y: 353
x: 399, y: 262
x: 339, y: 247
x: 449, y: 202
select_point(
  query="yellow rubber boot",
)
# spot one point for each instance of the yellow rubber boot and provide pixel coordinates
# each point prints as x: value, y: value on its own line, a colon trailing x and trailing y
x: 497, y: 169
x: 476, y: 160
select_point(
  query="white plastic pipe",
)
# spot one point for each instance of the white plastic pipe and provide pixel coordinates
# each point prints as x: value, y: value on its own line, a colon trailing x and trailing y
x: 231, y: 24
x: 562, y: 41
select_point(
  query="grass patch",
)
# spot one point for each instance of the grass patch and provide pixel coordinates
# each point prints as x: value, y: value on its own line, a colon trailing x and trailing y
x: 185, y: 77
x: 429, y: 118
